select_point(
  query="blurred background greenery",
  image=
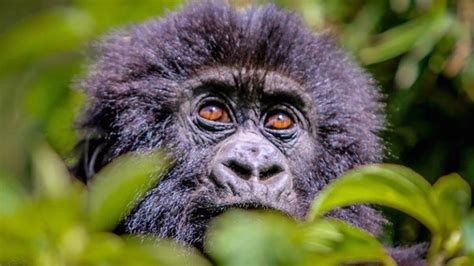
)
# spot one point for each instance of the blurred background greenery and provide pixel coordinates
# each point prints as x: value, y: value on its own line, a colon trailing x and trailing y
x: 420, y: 52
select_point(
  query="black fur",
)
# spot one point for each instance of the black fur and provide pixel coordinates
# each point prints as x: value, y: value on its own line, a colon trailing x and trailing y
x: 144, y: 73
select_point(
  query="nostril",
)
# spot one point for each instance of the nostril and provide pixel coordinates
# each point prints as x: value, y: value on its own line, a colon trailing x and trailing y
x: 242, y: 170
x: 270, y: 172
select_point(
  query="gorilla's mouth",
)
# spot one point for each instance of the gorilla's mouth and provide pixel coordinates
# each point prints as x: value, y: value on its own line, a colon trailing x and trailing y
x: 239, y: 205
x: 218, y: 209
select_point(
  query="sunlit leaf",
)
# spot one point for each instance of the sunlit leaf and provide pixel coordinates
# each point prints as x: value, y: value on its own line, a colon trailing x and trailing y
x: 461, y: 261
x: 241, y: 237
x: 123, y: 11
x: 336, y: 242
x: 115, y: 190
x: 453, y: 199
x: 254, y: 238
x: 389, y: 185
x: 109, y: 249
x: 51, y: 176
x: 12, y: 195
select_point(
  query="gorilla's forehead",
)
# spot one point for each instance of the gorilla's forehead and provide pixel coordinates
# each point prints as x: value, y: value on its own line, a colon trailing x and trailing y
x: 142, y: 70
x: 251, y: 83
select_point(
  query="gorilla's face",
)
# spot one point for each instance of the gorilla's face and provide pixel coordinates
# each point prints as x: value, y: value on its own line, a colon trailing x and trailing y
x: 247, y: 140
x: 257, y: 110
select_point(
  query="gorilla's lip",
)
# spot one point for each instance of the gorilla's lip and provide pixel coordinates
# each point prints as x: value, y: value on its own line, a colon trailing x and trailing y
x: 246, y: 205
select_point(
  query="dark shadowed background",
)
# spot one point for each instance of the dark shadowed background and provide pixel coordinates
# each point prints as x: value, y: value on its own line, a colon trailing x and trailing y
x: 420, y: 52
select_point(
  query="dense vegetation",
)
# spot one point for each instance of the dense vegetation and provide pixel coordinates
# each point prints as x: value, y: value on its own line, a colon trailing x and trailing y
x: 61, y: 223
x: 420, y: 51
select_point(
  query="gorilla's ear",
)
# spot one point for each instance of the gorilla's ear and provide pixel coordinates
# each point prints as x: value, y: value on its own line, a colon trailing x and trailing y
x: 92, y: 152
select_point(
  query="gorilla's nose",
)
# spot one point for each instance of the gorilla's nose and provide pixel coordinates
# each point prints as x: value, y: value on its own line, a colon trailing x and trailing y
x: 251, y: 161
x: 249, y: 164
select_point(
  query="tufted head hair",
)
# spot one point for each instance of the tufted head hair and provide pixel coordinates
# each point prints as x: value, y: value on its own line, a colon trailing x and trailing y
x: 139, y: 72
x: 142, y: 74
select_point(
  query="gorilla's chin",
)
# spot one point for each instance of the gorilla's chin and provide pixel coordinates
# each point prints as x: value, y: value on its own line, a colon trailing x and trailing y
x: 195, y: 229
x: 246, y: 205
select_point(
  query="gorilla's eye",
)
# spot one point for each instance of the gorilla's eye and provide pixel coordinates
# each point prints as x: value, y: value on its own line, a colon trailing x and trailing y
x: 214, y: 112
x: 279, y: 120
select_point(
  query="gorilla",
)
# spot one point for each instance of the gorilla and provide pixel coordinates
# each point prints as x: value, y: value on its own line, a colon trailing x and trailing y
x: 257, y: 110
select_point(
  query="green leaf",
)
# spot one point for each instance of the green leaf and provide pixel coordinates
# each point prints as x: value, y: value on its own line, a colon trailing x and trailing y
x: 395, y: 41
x: 452, y: 195
x: 419, y: 33
x: 12, y: 195
x: 335, y: 242
x: 51, y: 175
x: 50, y: 32
x: 118, y: 187
x: 109, y: 249
x: 461, y: 261
x: 389, y: 185
x: 241, y: 237
x: 468, y: 232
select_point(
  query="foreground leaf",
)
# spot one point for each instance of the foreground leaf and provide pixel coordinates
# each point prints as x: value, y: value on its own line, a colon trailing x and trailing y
x: 336, y: 242
x: 254, y: 238
x: 109, y: 249
x: 51, y: 175
x: 453, y: 199
x: 119, y: 186
x: 389, y: 185
x: 241, y: 237
x: 468, y: 230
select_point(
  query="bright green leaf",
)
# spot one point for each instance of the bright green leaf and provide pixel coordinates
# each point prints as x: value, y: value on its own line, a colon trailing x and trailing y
x: 115, y: 190
x: 12, y: 195
x: 241, y: 237
x: 51, y: 176
x: 452, y: 195
x: 344, y: 243
x: 389, y: 185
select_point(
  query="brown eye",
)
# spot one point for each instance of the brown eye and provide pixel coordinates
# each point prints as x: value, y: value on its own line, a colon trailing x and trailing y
x: 215, y: 113
x: 279, y: 120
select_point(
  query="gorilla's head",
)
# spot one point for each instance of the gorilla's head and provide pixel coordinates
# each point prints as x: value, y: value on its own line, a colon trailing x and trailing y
x: 257, y: 110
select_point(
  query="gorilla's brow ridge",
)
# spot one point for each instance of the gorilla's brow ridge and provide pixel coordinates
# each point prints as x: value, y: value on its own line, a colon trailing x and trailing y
x: 242, y: 80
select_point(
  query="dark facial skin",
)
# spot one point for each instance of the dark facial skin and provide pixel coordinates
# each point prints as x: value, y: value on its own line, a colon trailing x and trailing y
x: 252, y: 131
x: 257, y: 110
x: 254, y: 155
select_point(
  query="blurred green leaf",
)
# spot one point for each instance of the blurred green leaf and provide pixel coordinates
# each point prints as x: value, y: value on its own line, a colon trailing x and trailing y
x: 389, y: 185
x: 123, y: 11
x: 395, y: 41
x: 51, y: 176
x: 241, y: 237
x: 246, y: 238
x: 453, y: 199
x: 54, y: 31
x: 421, y: 33
x: 468, y: 231
x: 12, y: 195
x: 115, y: 190
x: 336, y: 242
x: 461, y: 261
x: 110, y: 249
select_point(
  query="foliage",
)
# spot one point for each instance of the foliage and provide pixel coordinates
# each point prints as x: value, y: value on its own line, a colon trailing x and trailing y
x: 62, y: 223
x: 442, y: 208
x: 420, y: 51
